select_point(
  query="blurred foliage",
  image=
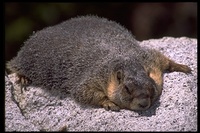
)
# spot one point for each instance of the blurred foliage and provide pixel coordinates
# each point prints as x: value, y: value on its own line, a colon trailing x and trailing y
x: 144, y: 20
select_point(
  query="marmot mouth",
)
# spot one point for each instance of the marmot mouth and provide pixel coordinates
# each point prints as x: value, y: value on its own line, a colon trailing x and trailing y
x: 143, y: 105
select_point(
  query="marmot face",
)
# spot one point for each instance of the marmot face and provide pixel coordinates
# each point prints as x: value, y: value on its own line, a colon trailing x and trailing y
x: 137, y: 96
x: 131, y: 88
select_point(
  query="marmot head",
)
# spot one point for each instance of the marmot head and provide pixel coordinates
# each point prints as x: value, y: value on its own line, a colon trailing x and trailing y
x: 130, y: 86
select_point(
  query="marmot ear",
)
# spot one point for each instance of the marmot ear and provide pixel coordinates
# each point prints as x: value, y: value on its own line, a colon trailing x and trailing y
x: 120, y: 76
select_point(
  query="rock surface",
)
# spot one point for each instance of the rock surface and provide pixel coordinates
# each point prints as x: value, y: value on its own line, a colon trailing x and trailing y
x: 38, y: 110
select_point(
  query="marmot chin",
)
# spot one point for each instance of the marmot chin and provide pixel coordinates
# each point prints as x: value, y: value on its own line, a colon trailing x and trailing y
x: 97, y: 60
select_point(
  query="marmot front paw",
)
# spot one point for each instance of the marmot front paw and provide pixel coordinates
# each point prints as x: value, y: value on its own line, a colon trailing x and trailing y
x: 108, y: 105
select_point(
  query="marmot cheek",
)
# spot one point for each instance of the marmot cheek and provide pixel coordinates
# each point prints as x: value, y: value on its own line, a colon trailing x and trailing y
x: 133, y: 106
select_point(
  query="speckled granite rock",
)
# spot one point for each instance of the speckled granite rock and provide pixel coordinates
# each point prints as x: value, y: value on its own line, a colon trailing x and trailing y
x: 14, y: 121
x: 40, y: 110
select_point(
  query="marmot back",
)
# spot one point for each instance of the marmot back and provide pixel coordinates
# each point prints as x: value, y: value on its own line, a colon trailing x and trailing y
x: 97, y: 60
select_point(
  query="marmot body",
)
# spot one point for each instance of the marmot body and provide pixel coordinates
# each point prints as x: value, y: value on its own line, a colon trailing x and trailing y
x: 97, y: 60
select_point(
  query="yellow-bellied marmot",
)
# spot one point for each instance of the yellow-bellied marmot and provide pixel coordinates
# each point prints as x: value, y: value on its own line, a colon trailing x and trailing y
x: 97, y: 60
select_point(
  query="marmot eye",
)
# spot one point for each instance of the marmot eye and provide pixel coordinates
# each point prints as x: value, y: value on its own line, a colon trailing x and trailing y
x: 127, y: 90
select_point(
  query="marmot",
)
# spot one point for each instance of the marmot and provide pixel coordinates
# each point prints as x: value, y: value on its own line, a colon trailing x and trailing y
x: 97, y: 60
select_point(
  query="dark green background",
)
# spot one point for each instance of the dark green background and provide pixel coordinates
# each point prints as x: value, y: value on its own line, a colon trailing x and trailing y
x: 144, y: 20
